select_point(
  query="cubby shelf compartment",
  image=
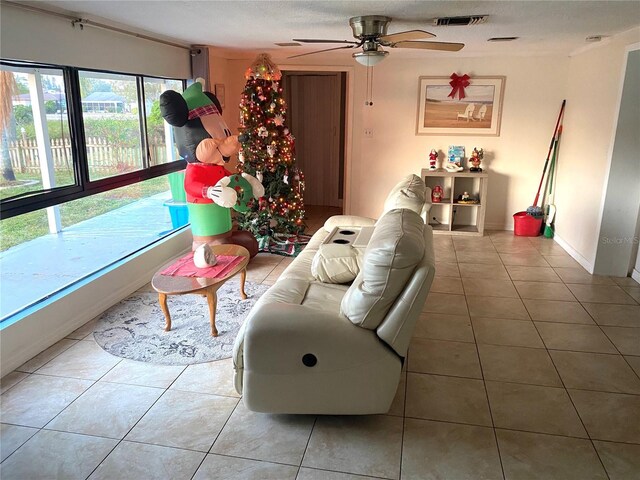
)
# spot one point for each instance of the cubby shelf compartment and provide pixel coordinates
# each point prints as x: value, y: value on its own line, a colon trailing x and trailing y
x: 451, y: 219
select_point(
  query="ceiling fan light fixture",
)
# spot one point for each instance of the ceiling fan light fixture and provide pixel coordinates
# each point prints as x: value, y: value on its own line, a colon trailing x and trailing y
x: 370, y: 58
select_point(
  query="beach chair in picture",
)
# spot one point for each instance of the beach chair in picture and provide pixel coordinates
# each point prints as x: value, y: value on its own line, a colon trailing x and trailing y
x: 468, y: 112
x: 482, y: 112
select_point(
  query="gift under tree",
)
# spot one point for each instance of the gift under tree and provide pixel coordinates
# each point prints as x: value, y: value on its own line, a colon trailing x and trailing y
x: 267, y: 152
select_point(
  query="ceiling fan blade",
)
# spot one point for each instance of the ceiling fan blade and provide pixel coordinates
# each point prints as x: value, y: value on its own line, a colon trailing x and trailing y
x: 320, y: 51
x: 443, y: 46
x: 317, y: 40
x: 406, y: 36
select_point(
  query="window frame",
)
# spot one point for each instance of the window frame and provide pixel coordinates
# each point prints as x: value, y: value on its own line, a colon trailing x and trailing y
x: 84, y: 186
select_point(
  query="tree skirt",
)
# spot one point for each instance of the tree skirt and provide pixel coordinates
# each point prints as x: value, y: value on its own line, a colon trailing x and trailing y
x: 134, y: 328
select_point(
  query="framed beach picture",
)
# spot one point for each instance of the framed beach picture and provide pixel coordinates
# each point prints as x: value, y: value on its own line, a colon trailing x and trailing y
x: 477, y: 114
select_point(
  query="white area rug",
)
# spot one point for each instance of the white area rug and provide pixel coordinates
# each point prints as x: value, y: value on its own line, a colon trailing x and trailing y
x: 134, y: 328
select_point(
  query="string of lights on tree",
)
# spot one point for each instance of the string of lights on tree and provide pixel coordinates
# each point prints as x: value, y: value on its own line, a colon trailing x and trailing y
x: 268, y: 153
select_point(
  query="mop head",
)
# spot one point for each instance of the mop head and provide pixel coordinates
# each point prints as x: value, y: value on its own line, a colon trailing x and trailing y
x: 535, y: 211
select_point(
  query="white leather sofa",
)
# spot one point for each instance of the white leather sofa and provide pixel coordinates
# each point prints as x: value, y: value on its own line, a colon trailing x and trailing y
x: 321, y: 348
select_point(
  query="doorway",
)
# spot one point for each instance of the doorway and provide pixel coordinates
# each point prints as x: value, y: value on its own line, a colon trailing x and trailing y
x: 316, y: 104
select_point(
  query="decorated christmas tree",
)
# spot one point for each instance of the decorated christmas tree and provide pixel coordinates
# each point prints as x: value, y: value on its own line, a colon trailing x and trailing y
x: 268, y: 153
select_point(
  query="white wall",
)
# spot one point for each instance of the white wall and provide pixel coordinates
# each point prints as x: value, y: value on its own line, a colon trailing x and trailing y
x: 534, y: 91
x: 594, y: 82
x: 37, y: 37
x: 219, y: 74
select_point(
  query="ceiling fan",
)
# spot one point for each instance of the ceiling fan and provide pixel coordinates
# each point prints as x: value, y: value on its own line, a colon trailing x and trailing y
x: 371, y: 34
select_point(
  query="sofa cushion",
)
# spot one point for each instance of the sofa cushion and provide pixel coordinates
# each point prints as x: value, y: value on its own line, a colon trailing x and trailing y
x: 396, y: 247
x: 324, y: 296
x: 300, y: 268
x: 409, y: 193
x: 334, y: 263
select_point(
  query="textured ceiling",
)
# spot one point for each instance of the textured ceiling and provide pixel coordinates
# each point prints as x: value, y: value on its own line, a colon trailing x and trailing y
x: 544, y: 27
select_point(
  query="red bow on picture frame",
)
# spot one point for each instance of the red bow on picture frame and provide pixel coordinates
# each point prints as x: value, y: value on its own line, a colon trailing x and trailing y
x: 458, y: 84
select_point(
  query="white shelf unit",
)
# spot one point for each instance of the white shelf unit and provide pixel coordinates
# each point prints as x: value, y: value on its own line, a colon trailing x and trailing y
x: 455, y: 218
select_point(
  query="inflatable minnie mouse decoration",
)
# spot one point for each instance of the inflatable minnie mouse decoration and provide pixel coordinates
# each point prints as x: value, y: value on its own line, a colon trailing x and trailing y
x: 205, y: 142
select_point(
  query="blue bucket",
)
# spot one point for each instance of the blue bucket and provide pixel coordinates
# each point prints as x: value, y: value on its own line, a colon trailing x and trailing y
x: 179, y: 213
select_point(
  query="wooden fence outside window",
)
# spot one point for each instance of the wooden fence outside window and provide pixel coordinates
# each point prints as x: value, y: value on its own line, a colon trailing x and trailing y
x: 102, y: 156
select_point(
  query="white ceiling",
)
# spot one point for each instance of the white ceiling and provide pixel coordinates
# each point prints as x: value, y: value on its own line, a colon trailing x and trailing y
x: 239, y: 26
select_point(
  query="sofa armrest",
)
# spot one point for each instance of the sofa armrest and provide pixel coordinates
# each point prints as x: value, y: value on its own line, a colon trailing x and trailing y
x: 279, y: 336
x: 348, y: 221
x: 299, y: 359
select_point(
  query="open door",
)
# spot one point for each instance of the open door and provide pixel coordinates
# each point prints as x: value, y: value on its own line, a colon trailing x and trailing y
x: 617, y: 246
x: 316, y: 105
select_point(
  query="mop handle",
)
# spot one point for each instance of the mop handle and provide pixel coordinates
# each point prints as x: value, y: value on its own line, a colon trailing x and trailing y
x: 546, y: 162
x: 553, y: 165
x: 548, y: 184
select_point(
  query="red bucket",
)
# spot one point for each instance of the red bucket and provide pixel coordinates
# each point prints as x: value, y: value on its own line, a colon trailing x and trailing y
x: 525, y: 225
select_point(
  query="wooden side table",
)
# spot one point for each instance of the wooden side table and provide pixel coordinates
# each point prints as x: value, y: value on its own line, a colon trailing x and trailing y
x: 175, y: 285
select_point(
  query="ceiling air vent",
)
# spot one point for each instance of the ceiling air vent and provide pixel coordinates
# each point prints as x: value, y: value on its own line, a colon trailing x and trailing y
x: 460, y: 21
x: 288, y: 44
x: 502, y: 39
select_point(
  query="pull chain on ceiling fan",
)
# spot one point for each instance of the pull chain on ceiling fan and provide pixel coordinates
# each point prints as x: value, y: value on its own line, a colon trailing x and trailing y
x: 368, y: 101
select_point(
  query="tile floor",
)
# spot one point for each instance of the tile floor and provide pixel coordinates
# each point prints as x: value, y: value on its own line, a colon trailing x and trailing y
x: 522, y: 366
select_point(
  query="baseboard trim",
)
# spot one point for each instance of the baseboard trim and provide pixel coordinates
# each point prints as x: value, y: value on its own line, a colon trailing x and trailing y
x: 498, y: 226
x: 50, y: 322
x: 574, y: 253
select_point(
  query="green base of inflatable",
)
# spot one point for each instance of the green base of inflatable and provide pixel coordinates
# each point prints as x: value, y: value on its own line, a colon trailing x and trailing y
x: 209, y: 219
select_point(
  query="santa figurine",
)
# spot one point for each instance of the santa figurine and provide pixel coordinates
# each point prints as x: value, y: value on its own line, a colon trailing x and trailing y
x: 433, y: 157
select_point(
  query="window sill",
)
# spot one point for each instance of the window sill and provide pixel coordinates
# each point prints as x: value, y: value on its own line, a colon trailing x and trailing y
x: 36, y: 328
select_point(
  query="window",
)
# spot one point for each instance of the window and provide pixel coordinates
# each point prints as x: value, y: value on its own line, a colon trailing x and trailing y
x: 112, y: 125
x: 96, y: 232
x: 158, y: 131
x: 36, y: 143
x: 91, y: 131
x: 85, y: 159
